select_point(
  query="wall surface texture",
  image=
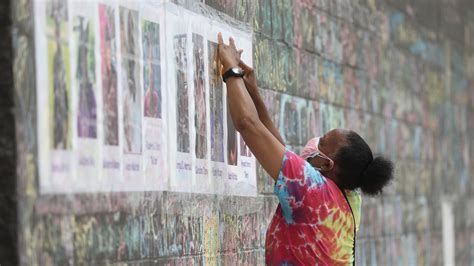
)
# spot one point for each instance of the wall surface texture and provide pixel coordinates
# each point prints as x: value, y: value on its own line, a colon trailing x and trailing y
x: 401, y: 73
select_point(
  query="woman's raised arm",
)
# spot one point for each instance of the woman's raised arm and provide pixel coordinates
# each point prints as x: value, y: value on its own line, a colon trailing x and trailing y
x: 267, y: 149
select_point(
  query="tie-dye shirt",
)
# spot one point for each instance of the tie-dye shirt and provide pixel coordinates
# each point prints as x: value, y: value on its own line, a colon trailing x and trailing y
x: 313, y: 224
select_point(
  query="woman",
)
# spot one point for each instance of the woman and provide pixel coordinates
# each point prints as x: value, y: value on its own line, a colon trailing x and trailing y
x: 319, y: 207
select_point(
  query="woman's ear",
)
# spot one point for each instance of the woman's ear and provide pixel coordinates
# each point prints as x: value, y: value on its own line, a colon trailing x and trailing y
x: 328, y: 165
x: 311, y: 161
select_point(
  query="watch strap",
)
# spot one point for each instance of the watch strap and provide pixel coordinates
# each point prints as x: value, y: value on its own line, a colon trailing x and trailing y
x: 230, y: 73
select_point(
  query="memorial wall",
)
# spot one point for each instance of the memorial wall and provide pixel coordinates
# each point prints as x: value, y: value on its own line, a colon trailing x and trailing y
x: 126, y: 152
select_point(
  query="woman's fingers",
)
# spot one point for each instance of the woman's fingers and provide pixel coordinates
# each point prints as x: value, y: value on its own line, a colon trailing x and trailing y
x: 232, y: 43
x: 228, y: 54
x: 245, y: 67
x: 220, y: 41
x: 240, y: 52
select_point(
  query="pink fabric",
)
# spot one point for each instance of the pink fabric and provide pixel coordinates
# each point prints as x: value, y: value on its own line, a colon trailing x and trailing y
x: 310, y: 148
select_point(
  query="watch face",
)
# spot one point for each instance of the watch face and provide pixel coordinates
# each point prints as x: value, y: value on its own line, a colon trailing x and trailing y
x: 233, y: 72
x: 237, y: 70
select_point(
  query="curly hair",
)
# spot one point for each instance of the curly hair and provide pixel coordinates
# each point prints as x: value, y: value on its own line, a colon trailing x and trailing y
x: 358, y: 168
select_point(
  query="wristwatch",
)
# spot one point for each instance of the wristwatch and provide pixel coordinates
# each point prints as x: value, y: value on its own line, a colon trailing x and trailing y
x: 233, y: 72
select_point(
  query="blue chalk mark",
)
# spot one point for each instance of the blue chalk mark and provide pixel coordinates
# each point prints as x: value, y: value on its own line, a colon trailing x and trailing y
x: 396, y: 19
x: 418, y: 47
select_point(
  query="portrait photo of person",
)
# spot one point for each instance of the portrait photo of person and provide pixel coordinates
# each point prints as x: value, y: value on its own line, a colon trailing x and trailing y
x: 200, y: 116
x: 85, y: 78
x: 58, y: 66
x: 108, y: 54
x: 216, y: 105
x: 151, y: 69
x: 182, y: 104
x: 131, y: 92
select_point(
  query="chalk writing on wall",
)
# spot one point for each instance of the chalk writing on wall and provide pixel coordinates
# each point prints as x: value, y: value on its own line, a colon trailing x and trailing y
x: 376, y: 67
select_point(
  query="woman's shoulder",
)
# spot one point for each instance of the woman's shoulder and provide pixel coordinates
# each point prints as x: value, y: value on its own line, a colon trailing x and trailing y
x: 295, y: 166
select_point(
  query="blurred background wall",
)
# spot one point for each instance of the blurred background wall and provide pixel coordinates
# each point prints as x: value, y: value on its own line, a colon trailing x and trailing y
x: 398, y: 72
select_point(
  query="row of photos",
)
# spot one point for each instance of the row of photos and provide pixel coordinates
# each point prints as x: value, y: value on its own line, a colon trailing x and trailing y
x: 130, y: 99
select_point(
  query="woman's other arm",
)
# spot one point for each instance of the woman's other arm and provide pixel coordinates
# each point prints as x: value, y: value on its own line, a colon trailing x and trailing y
x: 250, y: 82
x: 267, y: 149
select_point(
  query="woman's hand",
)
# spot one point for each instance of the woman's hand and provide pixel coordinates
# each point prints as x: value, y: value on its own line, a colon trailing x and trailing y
x: 228, y: 54
x: 249, y: 76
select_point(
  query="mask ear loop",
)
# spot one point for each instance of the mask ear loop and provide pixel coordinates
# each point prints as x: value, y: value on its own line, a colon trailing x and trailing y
x: 317, y: 168
x: 321, y: 155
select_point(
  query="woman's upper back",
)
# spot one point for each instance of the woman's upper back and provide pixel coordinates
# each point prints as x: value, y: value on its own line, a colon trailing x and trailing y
x: 313, y: 223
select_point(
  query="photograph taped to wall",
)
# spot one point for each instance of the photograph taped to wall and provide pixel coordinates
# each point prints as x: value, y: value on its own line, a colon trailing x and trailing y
x: 111, y: 156
x: 130, y: 82
x: 231, y: 140
x: 108, y: 52
x: 200, y: 117
x: 85, y: 71
x: 239, y: 171
x: 180, y: 83
x: 216, y: 104
x: 57, y: 14
x: 156, y: 163
x: 181, y: 61
x: 200, y: 139
x: 151, y: 69
x: 129, y: 40
x: 55, y: 117
x: 83, y: 31
x: 244, y: 149
x: 131, y: 105
x: 60, y: 105
x: 59, y: 74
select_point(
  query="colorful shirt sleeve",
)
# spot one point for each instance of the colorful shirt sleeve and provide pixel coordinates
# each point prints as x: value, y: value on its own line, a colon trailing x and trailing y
x: 355, y: 200
x: 295, y: 178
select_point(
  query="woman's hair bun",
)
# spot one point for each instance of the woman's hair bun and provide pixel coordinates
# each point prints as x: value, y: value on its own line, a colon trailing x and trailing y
x: 378, y: 174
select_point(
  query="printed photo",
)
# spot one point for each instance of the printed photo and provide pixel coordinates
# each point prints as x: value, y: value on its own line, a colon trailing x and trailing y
x: 131, y: 106
x: 231, y: 140
x: 56, y: 20
x: 85, y: 78
x: 216, y: 105
x: 151, y: 69
x: 244, y: 149
x: 58, y: 72
x: 108, y: 54
x: 182, y: 108
x: 131, y: 91
x: 129, y: 32
x: 199, y: 97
